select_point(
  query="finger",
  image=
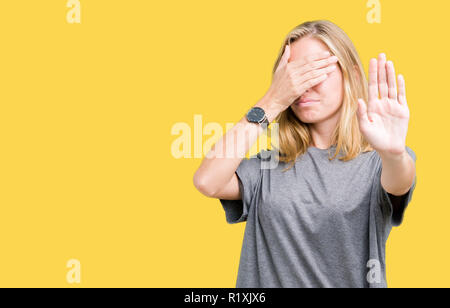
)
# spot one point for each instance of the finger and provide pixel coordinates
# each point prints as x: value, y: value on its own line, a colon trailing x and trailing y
x: 391, y: 80
x: 382, y: 84
x: 285, y: 57
x: 373, y: 81
x: 315, y: 73
x: 316, y: 56
x: 362, y: 111
x: 401, y: 90
x: 317, y: 64
x: 305, y: 85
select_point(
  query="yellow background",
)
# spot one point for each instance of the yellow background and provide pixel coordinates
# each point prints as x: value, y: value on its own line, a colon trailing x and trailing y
x: 86, y: 112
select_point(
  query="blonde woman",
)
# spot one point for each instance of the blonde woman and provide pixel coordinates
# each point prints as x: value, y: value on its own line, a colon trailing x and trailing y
x: 322, y: 215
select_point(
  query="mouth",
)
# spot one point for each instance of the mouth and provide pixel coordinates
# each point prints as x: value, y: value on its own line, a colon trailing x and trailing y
x: 306, y: 102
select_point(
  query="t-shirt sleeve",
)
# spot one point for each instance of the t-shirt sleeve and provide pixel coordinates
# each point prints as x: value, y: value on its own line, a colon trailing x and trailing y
x: 249, y: 176
x: 394, y: 213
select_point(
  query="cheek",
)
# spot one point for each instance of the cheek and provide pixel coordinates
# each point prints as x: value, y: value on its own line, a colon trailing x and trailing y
x: 331, y: 88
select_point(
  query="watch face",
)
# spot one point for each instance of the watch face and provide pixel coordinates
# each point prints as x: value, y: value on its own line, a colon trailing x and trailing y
x: 256, y: 114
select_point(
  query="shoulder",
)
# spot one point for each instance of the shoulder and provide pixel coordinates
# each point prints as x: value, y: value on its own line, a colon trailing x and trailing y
x: 265, y: 155
x: 263, y: 160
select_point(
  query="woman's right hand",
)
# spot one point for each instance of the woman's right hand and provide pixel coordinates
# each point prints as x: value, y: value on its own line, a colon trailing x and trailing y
x: 292, y: 79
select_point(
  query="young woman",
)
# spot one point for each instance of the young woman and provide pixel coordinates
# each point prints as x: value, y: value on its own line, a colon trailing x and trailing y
x: 316, y: 219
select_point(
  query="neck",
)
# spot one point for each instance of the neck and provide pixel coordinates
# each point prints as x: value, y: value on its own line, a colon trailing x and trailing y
x: 322, y: 132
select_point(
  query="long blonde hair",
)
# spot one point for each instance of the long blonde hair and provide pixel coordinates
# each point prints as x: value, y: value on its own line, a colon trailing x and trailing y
x: 294, y: 135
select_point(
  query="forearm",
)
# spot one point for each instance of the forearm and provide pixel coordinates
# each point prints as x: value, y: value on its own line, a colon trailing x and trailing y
x: 398, y: 172
x: 223, y: 159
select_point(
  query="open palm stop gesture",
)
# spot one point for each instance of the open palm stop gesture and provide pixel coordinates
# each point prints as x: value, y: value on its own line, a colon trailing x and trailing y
x: 384, y: 121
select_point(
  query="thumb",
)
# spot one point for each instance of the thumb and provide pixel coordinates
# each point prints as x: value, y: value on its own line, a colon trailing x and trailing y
x: 362, y: 111
x: 285, y: 57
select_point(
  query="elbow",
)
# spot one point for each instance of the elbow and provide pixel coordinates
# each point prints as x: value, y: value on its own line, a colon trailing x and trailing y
x: 201, y: 183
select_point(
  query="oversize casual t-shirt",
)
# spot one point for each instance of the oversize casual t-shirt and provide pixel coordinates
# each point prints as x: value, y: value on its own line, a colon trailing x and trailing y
x: 322, y: 223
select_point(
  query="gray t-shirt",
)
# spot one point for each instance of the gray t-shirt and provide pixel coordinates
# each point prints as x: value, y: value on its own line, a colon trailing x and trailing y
x: 320, y: 224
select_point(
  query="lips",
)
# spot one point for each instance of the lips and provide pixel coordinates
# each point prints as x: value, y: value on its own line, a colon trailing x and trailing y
x: 306, y: 100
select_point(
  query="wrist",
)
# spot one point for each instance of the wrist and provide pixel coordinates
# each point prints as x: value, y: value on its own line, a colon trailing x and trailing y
x: 396, y: 157
x: 271, y: 107
x: 250, y: 125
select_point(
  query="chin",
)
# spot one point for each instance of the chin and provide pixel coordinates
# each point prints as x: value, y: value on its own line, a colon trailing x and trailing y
x: 306, y: 116
x: 308, y: 121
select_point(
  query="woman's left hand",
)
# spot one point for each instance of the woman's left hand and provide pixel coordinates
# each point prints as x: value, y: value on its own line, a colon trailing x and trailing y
x: 384, y: 122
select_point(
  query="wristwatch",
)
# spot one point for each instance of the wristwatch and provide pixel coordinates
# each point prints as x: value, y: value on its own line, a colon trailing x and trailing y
x: 257, y: 115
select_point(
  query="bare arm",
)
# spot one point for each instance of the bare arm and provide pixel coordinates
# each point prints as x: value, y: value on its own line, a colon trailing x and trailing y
x: 397, y: 174
x: 384, y: 123
x: 216, y: 175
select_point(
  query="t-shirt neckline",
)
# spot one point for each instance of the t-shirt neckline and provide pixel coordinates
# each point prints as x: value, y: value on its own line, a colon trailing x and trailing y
x: 322, y: 150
